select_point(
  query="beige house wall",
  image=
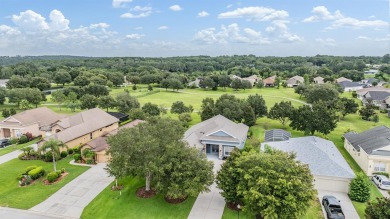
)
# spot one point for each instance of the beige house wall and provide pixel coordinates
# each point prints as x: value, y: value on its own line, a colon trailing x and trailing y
x: 101, y: 157
x: 33, y: 129
x: 360, y: 157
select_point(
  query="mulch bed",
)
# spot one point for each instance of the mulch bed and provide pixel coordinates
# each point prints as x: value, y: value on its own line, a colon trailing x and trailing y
x: 117, y: 188
x: 142, y: 193
x: 175, y: 200
x: 46, y: 182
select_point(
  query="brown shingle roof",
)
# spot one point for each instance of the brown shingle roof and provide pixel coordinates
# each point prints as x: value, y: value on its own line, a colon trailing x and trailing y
x: 42, y: 115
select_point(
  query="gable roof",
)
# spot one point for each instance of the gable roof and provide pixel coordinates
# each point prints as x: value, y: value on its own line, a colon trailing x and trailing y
x: 322, y: 156
x: 83, y: 123
x: 342, y: 79
x: 295, y: 79
x: 363, y: 91
x: 370, y: 140
x: 269, y: 80
x: 206, y: 129
x: 346, y: 84
x: 377, y: 95
x: 42, y: 115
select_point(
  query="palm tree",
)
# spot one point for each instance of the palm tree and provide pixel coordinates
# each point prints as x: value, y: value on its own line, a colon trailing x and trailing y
x: 54, y: 146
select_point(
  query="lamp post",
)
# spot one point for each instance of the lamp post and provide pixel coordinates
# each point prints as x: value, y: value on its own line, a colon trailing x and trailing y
x: 238, y: 210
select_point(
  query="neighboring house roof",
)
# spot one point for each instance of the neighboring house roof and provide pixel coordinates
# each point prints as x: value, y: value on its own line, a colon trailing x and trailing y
x: 253, y: 79
x: 276, y: 135
x: 318, y: 80
x: 83, y: 123
x: 361, y: 92
x: 346, y: 84
x: 3, y: 82
x: 370, y: 140
x: 342, y: 79
x: 121, y: 116
x: 377, y: 95
x: 205, y: 130
x: 42, y: 115
x: 100, y: 143
x: 269, y: 80
x: 322, y: 156
x: 295, y: 80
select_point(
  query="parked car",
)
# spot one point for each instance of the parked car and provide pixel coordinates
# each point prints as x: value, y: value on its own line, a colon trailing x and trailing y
x: 332, y: 207
x: 381, y: 181
x: 4, y: 143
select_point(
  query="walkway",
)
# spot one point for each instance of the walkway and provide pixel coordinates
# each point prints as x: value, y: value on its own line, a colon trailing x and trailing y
x: 70, y: 200
x: 12, y: 155
x: 209, y: 205
x: 12, y: 213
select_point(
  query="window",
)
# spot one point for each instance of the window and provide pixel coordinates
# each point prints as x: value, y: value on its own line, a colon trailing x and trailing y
x: 228, y: 150
x: 380, y: 167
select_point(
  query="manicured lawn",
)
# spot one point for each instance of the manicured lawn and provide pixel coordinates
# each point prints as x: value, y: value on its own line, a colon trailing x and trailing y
x: 109, y: 204
x: 15, y: 196
x: 15, y: 147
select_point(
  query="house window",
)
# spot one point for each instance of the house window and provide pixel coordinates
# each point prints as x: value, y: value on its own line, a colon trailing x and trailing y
x: 380, y: 167
x: 228, y: 150
x: 90, y: 135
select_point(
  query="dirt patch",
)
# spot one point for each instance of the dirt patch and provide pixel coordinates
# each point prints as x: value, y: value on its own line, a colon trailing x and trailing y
x: 142, y: 193
x: 175, y: 200
x: 46, y: 182
x: 117, y: 188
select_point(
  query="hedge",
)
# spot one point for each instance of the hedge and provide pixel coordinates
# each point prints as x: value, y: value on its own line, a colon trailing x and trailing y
x: 36, y: 173
x: 29, y: 168
x: 52, y: 176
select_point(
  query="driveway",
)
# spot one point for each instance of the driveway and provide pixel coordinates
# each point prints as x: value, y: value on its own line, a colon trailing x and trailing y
x: 346, y: 203
x: 70, y: 200
x: 12, y: 213
x: 12, y: 155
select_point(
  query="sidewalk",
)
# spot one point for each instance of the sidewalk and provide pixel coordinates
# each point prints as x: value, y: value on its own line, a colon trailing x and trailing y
x: 70, y: 200
x: 209, y: 205
x: 12, y: 155
x: 12, y: 213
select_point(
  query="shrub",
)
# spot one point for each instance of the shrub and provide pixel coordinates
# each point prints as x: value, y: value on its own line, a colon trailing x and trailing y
x: 70, y: 151
x: 378, y: 209
x: 29, y: 168
x: 36, y: 173
x: 48, y: 156
x: 90, y: 161
x: 52, y: 176
x: 13, y: 140
x: 76, y: 150
x: 20, y: 177
x: 25, y: 180
x: 381, y: 173
x: 21, y: 156
x: 23, y: 139
x: 64, y: 154
x: 58, y: 172
x: 360, y: 188
x: 77, y: 157
x: 62, y: 170
x: 354, y: 94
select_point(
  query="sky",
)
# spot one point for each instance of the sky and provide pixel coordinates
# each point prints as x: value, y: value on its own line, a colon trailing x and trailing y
x: 163, y: 28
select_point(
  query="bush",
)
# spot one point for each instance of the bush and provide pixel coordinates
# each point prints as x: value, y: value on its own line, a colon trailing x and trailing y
x: 90, y: 161
x: 20, y: 177
x: 76, y: 150
x: 64, y: 154
x: 52, y: 176
x: 70, y: 151
x: 360, y: 188
x: 13, y: 140
x: 378, y: 209
x: 354, y: 94
x: 29, y: 136
x: 62, y: 170
x: 29, y: 168
x: 23, y: 139
x: 48, y: 156
x: 58, y: 172
x: 36, y: 173
x: 25, y: 180
x: 77, y: 157
x: 381, y: 173
x: 21, y: 156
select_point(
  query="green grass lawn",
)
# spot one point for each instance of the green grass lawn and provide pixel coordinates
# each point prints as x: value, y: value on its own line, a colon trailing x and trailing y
x: 15, y: 147
x: 15, y: 196
x: 109, y: 204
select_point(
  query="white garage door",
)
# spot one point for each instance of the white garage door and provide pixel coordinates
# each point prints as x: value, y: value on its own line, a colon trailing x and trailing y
x: 331, y: 184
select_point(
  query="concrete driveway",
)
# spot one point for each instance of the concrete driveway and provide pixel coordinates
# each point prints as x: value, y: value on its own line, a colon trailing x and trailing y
x: 346, y: 203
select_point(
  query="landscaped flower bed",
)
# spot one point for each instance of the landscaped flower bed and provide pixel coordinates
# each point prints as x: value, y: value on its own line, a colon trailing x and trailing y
x: 30, y: 174
x: 55, y: 176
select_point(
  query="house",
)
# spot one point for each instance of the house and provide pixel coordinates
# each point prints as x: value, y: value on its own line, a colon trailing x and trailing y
x: 342, y: 79
x: 369, y: 82
x: 276, y: 135
x: 195, y: 83
x: 253, y: 79
x: 295, y: 81
x: 217, y: 136
x: 330, y: 170
x: 360, y: 93
x: 318, y: 80
x: 380, y: 99
x: 270, y: 81
x: 31, y: 121
x: 99, y: 145
x: 80, y: 128
x: 350, y: 86
x: 3, y: 82
x: 370, y: 149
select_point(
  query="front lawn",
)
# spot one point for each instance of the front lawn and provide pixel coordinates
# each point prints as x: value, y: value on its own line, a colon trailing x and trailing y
x: 15, y: 196
x: 109, y: 204
x: 15, y: 147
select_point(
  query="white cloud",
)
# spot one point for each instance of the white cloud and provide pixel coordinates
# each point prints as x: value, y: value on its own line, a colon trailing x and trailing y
x: 99, y: 25
x: 175, y: 8
x: 29, y: 20
x: 141, y: 15
x: 138, y: 28
x: 326, y: 41
x: 163, y: 28
x: 255, y: 14
x: 229, y: 6
x: 280, y: 32
x: 120, y: 3
x: 140, y: 8
x: 134, y: 36
x: 58, y: 21
x: 203, y: 14
x: 363, y: 38
x: 339, y: 20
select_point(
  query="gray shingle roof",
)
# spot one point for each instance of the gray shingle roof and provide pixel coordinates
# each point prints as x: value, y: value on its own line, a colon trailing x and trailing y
x: 345, y: 84
x: 377, y: 95
x: 370, y: 140
x: 322, y: 156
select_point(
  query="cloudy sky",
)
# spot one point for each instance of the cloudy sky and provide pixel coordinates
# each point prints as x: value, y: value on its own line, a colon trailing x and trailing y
x: 194, y: 27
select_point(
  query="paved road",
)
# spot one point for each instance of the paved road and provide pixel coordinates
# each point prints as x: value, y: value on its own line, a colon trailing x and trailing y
x: 12, y: 213
x: 209, y: 205
x: 345, y: 202
x: 70, y: 200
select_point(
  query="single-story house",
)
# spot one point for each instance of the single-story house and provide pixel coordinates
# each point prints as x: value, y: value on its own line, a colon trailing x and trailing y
x: 217, y: 136
x: 318, y: 80
x: 276, y: 135
x: 82, y: 127
x: 270, y: 81
x: 380, y: 99
x: 99, y: 145
x: 350, y: 86
x: 369, y: 81
x: 330, y: 170
x: 370, y: 149
x: 195, y: 82
x: 295, y: 81
x: 360, y: 93
x: 30, y: 121
x: 253, y: 79
x: 342, y: 79
x: 3, y: 82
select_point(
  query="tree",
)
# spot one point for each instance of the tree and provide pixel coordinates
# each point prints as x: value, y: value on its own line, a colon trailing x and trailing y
x: 17, y: 81
x: 224, y: 81
x: 125, y: 102
x: 150, y: 88
x: 81, y: 81
x: 3, y: 94
x: 151, y: 109
x: 134, y: 79
x: 175, y: 84
x: 117, y: 78
x: 178, y: 107
x: 248, y: 114
x: 88, y: 101
x: 165, y: 84
x: 281, y: 111
x: 134, y: 87
x: 54, y: 146
x: 185, y: 118
x: 367, y: 111
x: 72, y: 102
x: 229, y: 106
x: 321, y: 92
x: 246, y: 84
x: 96, y: 90
x: 349, y: 106
x: 33, y: 96
x: 300, y: 89
x: 207, y: 108
x: 106, y: 102
x: 59, y: 97
x: 378, y: 209
x: 6, y: 113
x: 137, y: 113
x: 62, y: 77
x: 258, y: 105
x: 360, y: 188
x: 207, y: 82
x: 40, y: 83
x: 236, y: 84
